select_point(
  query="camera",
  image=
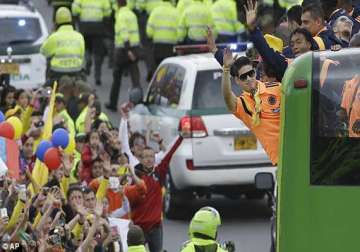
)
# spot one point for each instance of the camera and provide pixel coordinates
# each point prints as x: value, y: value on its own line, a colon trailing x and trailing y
x: 54, y: 239
x: 3, y: 213
x: 39, y: 124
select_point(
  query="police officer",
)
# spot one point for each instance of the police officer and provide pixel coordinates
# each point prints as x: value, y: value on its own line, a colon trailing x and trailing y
x: 127, y: 42
x: 136, y: 239
x: 194, y: 23
x: 94, y: 16
x: 162, y: 30
x: 143, y: 9
x: 224, y: 13
x: 203, y: 232
x: 65, y: 48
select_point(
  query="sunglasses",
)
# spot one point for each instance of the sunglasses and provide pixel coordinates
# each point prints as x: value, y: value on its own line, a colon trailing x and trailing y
x: 244, y: 76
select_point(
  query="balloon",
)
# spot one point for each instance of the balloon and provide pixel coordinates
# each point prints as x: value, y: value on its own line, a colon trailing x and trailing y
x: 60, y: 138
x: 52, y: 158
x: 7, y: 130
x: 18, y: 127
x: 2, y: 117
x: 42, y: 148
x: 71, y: 146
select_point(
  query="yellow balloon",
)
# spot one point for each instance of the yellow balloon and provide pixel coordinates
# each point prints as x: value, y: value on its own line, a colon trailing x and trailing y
x: 18, y: 126
x: 71, y: 146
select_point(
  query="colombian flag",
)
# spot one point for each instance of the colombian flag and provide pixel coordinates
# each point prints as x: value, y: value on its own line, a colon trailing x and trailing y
x: 40, y: 172
x: 10, y: 155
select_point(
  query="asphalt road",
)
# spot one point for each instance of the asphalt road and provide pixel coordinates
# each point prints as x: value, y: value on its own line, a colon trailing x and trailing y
x: 244, y: 222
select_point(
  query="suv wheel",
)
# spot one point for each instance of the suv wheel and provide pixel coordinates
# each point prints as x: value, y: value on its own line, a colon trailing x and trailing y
x: 175, y: 200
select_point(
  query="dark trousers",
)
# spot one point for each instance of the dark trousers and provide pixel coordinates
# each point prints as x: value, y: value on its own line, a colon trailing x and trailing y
x: 154, y: 239
x: 121, y: 62
x: 145, y: 41
x: 95, y: 47
x: 161, y: 52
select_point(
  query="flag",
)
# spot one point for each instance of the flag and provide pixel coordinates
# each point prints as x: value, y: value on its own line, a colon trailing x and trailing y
x: 10, y: 156
x: 40, y: 172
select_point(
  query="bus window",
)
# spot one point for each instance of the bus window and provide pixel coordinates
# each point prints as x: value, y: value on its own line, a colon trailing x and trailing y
x: 335, y: 138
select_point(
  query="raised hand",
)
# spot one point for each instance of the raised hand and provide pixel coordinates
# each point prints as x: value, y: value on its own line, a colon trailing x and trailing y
x: 91, y: 100
x: 67, y: 163
x: 98, y: 208
x: 124, y: 110
x: 250, y: 11
x: 210, y: 40
x: 228, y: 58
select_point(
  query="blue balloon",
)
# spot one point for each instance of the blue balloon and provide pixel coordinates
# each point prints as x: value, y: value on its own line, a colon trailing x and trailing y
x: 43, y: 146
x: 2, y: 117
x: 60, y: 138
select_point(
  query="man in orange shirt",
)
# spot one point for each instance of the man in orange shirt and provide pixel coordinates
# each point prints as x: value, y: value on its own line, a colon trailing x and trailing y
x: 259, y: 104
x: 351, y: 104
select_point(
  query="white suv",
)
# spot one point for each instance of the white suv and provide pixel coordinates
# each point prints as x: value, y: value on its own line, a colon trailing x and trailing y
x: 23, y: 30
x: 219, y: 154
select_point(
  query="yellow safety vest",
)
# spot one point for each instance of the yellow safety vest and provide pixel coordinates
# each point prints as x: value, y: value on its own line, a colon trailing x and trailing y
x: 162, y: 24
x: 126, y: 28
x: 225, y: 17
x: 91, y: 10
x: 195, y: 21
x: 66, y: 48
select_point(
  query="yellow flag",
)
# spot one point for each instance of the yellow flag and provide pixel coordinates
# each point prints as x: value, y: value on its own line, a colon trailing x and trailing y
x: 40, y: 172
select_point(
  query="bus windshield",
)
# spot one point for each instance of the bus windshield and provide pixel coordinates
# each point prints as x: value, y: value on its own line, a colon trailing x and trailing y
x: 335, y: 148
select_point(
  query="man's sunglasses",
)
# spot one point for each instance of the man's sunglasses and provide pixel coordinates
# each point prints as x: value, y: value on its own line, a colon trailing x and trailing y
x: 243, y: 77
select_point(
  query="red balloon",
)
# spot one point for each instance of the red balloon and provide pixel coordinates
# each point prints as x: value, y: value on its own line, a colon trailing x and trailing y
x: 52, y: 158
x: 7, y: 130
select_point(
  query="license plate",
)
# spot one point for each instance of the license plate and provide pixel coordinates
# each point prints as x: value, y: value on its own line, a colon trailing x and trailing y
x: 245, y: 143
x: 9, y: 68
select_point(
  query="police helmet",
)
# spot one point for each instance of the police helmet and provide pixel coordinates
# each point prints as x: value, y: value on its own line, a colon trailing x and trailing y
x: 205, y: 222
x: 63, y: 16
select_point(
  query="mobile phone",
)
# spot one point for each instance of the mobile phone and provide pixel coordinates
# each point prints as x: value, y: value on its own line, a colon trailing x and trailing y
x: 39, y: 124
x: 56, y: 205
x: 114, y: 183
x: 3, y: 213
x: 98, y: 237
x: 124, y: 180
x: 45, y: 190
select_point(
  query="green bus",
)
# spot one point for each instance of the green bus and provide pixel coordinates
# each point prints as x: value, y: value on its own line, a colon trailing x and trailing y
x: 318, y: 179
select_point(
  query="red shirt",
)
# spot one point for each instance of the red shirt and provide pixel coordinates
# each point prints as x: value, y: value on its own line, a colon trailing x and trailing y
x: 86, y: 159
x: 148, y: 212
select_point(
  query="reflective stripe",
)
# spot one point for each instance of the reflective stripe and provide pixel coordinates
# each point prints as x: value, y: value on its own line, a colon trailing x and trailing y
x: 66, y: 70
x: 91, y: 19
x: 164, y: 41
x: 122, y: 45
x: 124, y: 30
x: 70, y: 56
x: 165, y: 28
x: 227, y: 33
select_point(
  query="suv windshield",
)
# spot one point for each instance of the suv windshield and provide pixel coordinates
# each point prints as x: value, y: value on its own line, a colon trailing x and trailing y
x: 207, y: 92
x: 19, y: 30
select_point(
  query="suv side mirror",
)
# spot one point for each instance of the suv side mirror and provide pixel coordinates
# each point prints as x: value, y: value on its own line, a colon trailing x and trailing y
x: 136, y: 96
x: 264, y: 181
